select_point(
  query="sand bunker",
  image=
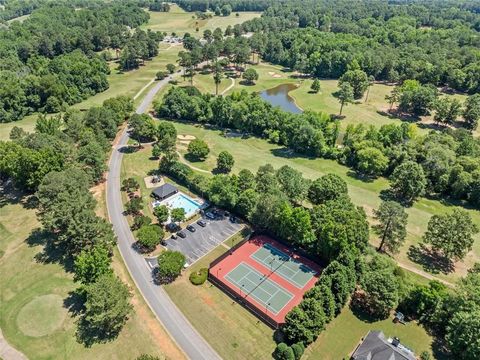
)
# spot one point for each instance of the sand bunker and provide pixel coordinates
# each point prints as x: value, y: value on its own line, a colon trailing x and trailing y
x: 186, y: 137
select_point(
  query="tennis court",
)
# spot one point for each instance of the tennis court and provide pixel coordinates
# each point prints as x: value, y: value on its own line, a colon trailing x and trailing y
x: 284, y: 265
x: 252, y: 283
x: 265, y: 276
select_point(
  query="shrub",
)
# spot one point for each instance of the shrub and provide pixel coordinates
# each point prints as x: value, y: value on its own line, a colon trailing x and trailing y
x: 298, y: 350
x: 283, y: 352
x: 170, y: 264
x: 199, y: 277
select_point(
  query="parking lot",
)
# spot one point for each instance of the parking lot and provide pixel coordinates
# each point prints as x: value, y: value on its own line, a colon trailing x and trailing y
x: 204, y: 239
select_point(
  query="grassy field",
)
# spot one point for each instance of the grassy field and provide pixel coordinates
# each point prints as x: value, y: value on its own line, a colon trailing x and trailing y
x: 180, y: 22
x: 344, y: 333
x: 33, y: 316
x: 231, y: 330
x: 253, y: 152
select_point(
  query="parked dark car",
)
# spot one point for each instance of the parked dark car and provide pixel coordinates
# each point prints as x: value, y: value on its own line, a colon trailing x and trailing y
x: 163, y: 243
x: 172, y: 227
x: 210, y: 215
x: 174, y: 236
x: 232, y: 219
x: 226, y: 213
x: 182, y: 234
x: 191, y: 228
x: 201, y: 223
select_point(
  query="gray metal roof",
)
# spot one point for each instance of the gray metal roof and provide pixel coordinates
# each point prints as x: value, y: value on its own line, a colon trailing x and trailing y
x: 165, y: 190
x: 376, y: 347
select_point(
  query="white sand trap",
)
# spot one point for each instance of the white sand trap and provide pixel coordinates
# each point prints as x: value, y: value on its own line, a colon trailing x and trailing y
x: 271, y: 73
x: 277, y: 76
x: 186, y: 137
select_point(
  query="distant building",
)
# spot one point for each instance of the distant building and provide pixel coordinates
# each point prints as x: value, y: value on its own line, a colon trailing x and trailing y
x: 164, y: 191
x: 376, y: 347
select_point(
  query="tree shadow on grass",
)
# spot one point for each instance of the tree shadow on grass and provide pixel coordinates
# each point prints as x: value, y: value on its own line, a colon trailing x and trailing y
x: 359, y: 305
x: 75, y: 302
x: 89, y: 335
x: 362, y: 177
x: 10, y: 195
x: 129, y: 149
x: 52, y: 252
x: 288, y: 153
x: 430, y: 260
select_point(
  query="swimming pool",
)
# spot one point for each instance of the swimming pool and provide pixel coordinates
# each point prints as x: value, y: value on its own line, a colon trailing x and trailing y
x: 181, y: 200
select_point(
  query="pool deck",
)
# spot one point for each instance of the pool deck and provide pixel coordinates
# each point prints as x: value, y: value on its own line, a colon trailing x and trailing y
x: 200, y: 204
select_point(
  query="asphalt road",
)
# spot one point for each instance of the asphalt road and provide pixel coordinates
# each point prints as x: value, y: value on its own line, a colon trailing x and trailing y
x: 179, y: 328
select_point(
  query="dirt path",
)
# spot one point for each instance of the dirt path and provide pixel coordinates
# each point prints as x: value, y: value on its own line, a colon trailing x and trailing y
x: 190, y: 165
x: 7, y: 352
x: 229, y: 87
x: 424, y: 274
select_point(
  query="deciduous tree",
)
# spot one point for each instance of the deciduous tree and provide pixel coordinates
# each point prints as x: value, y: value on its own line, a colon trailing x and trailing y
x: 391, y: 225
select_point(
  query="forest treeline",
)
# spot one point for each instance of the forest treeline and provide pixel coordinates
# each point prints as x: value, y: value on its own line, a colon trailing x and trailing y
x: 433, y: 42
x: 443, y: 163
x: 51, y: 60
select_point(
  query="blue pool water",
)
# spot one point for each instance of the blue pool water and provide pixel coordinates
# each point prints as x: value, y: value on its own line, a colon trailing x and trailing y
x: 183, y: 201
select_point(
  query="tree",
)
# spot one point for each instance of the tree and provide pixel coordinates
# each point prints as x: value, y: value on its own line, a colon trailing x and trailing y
x: 134, y: 205
x: 217, y: 76
x: 446, y: 110
x: 327, y: 187
x: 246, y: 202
x: 315, y: 86
x: 452, y: 233
x: 225, y: 162
x: 250, y: 75
x: 149, y: 236
x: 462, y: 335
x: 371, y: 161
x: 226, y: 10
x: 381, y: 292
x: 246, y: 180
x: 90, y: 264
x: 415, y: 98
x: 198, y: 149
x: 167, y: 136
x: 391, y: 226
x: 170, y: 68
x: 298, y: 350
x: 345, y: 95
x: 170, y: 265
x: 358, y: 80
x: 471, y: 113
x: 140, y: 220
x: 408, y: 181
x: 393, y: 97
x: 160, y: 75
x: 177, y: 215
x: 130, y: 185
x: 107, y: 306
x: 283, y: 352
x: 161, y: 213
x: 292, y: 183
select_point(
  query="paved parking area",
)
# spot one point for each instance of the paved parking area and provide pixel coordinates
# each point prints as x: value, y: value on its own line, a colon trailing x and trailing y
x: 204, y: 239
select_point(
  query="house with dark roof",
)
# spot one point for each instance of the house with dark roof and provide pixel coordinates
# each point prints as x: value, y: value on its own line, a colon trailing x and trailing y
x: 376, y: 347
x: 164, y: 191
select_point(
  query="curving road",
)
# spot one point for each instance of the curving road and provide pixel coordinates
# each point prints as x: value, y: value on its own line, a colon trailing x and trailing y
x: 179, y: 328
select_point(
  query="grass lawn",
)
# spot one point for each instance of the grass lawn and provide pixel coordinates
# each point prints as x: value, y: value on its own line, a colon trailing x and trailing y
x: 33, y: 317
x: 231, y: 330
x: 253, y: 152
x: 344, y: 333
x: 180, y: 22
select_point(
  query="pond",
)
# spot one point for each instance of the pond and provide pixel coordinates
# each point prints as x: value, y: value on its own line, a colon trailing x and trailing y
x: 278, y: 96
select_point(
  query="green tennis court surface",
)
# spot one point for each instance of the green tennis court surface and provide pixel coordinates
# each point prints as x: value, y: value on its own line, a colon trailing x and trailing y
x: 275, y: 260
x: 256, y: 285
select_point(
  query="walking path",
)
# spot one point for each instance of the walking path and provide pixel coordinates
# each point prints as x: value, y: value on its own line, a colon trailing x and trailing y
x: 7, y: 352
x: 179, y: 328
x: 229, y: 87
x: 424, y: 274
x: 180, y: 157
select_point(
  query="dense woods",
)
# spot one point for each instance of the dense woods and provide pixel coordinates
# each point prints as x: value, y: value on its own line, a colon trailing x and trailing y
x: 433, y: 42
x: 50, y: 60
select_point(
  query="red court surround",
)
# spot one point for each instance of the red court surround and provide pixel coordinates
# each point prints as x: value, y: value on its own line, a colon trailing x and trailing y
x: 242, y: 254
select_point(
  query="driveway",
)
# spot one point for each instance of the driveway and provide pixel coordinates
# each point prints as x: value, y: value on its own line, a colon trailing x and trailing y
x: 204, y: 239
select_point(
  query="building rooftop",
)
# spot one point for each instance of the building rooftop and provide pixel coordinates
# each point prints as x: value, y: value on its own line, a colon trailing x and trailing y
x: 376, y: 347
x: 164, y: 191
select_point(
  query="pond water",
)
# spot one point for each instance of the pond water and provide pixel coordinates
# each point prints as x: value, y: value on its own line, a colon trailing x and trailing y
x: 278, y: 96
